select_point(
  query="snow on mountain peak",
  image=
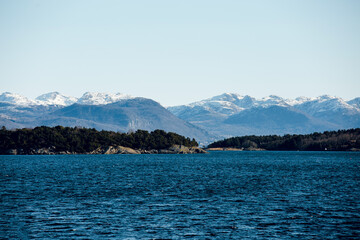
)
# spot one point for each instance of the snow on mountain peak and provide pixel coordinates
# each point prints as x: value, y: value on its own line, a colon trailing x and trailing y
x: 303, y: 99
x: 55, y: 98
x: 91, y: 98
x: 274, y: 97
x: 273, y: 100
x: 326, y: 98
x: 226, y: 103
x: 326, y: 103
x: 230, y: 103
x: 15, y: 99
x: 231, y: 97
x: 355, y: 102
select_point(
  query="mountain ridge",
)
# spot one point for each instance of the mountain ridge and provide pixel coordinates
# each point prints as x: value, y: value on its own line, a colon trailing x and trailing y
x: 225, y: 115
x: 56, y: 98
x: 122, y: 114
x: 99, y: 98
x: 231, y: 114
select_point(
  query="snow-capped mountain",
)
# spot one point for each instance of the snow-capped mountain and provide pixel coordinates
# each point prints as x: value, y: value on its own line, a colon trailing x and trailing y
x: 273, y: 100
x: 55, y: 98
x: 228, y: 104
x: 90, y: 98
x: 326, y: 103
x: 355, y: 102
x: 115, y: 112
x: 224, y: 105
x: 231, y: 114
x: 231, y: 103
x: 226, y: 115
x: 14, y: 98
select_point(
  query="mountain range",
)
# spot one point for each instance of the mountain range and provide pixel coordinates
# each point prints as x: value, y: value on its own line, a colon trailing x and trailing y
x: 114, y: 112
x: 221, y: 116
x: 55, y: 98
x: 231, y: 114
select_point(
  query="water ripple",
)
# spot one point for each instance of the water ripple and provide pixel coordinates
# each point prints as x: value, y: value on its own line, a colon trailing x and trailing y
x: 266, y: 195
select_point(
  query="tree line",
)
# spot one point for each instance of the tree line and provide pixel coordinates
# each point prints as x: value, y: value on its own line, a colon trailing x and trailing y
x: 82, y: 140
x: 341, y: 140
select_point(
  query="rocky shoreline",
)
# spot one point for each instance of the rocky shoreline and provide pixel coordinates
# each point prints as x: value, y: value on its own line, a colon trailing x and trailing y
x: 175, y: 149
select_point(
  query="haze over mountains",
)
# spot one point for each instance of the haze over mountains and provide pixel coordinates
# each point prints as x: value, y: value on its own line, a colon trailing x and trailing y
x: 221, y: 116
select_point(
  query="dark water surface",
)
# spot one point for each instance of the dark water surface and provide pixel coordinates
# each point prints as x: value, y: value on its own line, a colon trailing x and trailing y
x: 221, y: 195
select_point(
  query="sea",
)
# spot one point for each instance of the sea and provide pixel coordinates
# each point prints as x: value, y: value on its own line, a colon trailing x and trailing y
x: 220, y: 195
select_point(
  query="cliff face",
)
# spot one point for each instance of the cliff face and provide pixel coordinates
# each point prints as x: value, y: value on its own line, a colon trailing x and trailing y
x: 175, y: 149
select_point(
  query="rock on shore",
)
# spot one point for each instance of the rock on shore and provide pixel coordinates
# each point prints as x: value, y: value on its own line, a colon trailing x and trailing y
x: 175, y: 149
x: 180, y: 149
x: 115, y: 150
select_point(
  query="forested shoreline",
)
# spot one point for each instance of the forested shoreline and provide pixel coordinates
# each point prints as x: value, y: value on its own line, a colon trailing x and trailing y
x: 341, y: 140
x: 83, y: 140
x: 78, y: 140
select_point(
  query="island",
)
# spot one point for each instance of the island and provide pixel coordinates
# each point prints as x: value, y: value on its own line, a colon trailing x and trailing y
x: 78, y: 140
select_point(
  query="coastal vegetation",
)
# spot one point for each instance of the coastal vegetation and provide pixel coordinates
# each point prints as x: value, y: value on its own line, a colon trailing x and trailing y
x: 342, y: 140
x: 83, y: 140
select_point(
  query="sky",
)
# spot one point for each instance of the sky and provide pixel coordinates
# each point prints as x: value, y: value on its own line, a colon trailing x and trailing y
x: 177, y: 52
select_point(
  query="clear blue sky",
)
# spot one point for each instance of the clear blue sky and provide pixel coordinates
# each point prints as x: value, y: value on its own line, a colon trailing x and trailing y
x: 176, y: 52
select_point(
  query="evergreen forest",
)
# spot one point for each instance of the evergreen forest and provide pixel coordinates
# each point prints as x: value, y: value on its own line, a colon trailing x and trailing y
x: 83, y: 140
x: 342, y: 140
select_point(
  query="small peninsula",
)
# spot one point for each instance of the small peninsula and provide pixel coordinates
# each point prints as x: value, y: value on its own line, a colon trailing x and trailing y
x: 67, y: 140
x: 342, y: 140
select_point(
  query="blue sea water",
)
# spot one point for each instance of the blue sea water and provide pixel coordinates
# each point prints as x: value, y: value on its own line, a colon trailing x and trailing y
x: 221, y: 195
